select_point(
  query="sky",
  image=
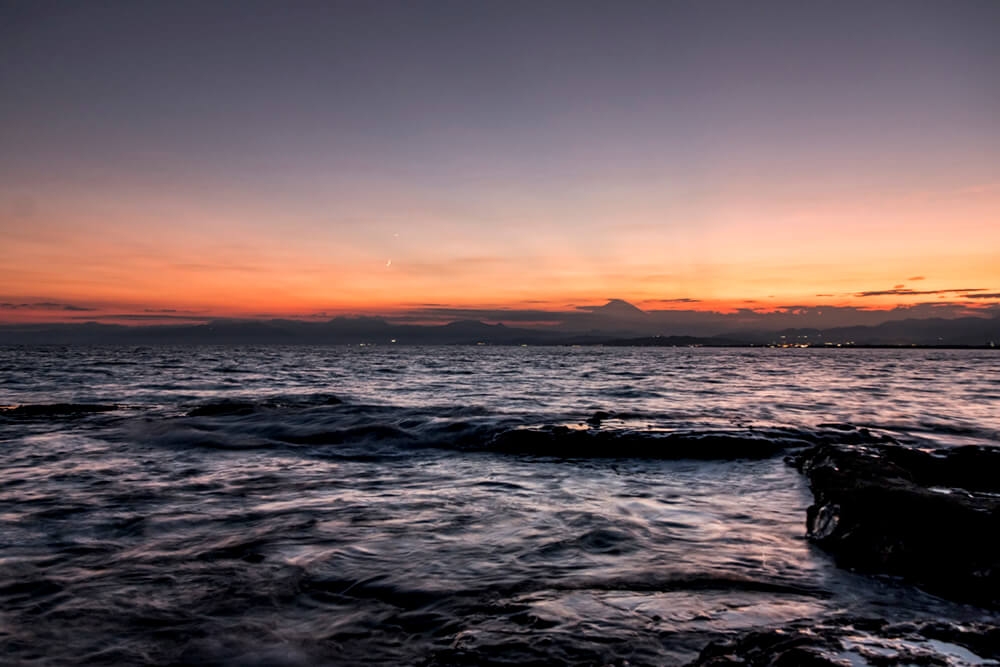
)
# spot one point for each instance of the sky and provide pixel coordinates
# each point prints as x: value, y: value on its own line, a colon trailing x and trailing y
x: 160, y: 160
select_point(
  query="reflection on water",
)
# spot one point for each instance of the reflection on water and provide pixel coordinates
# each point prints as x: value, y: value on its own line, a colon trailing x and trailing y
x: 299, y: 530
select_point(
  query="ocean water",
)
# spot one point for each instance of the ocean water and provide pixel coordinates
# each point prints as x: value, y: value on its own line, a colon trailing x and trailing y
x: 343, y: 505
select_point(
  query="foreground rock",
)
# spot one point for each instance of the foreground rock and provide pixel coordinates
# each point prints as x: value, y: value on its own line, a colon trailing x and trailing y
x: 932, y: 517
x: 858, y: 641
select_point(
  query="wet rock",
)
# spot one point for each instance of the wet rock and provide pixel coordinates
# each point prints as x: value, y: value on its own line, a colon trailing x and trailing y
x: 931, y: 517
x: 857, y: 641
x: 983, y: 640
x: 598, y: 417
x: 759, y: 648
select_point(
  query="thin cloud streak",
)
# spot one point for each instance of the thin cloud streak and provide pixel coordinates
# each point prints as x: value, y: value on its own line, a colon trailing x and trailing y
x: 145, y: 317
x: 678, y: 300
x: 44, y: 306
x: 910, y: 292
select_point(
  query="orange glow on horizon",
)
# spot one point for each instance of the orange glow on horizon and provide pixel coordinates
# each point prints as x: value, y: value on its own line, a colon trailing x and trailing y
x: 494, y: 164
x: 744, y: 252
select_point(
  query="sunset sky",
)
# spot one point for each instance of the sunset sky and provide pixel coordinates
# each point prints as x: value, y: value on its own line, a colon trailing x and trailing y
x: 259, y: 159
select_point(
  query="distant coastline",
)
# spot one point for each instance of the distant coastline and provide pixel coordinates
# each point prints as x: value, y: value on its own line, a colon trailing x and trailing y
x: 616, y: 323
x: 676, y: 341
x: 955, y: 333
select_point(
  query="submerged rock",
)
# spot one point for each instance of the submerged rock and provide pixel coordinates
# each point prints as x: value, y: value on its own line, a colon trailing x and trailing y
x: 858, y: 641
x: 932, y: 517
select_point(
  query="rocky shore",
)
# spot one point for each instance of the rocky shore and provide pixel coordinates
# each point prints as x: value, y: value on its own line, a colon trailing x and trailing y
x: 931, y: 517
x: 858, y: 641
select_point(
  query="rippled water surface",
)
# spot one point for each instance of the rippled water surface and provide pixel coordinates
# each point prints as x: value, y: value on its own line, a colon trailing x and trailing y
x: 337, y: 505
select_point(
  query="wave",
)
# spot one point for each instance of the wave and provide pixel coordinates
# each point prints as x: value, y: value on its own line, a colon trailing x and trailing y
x: 562, y: 441
x: 328, y: 425
x: 37, y: 410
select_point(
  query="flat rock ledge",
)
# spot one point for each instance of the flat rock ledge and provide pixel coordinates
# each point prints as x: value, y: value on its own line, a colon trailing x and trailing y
x: 857, y: 641
x: 929, y: 516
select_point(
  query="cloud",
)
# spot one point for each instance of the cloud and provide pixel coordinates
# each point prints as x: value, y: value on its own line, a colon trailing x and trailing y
x: 916, y: 278
x: 173, y: 311
x: 145, y: 317
x: 678, y: 300
x: 989, y: 295
x: 45, y: 305
x: 490, y: 314
x: 579, y: 315
x: 896, y: 291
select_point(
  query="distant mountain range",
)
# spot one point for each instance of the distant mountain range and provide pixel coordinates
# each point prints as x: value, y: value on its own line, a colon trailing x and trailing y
x: 617, y: 323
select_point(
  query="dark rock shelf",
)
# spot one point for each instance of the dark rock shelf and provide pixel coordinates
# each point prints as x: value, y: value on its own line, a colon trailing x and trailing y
x: 857, y: 641
x: 929, y: 516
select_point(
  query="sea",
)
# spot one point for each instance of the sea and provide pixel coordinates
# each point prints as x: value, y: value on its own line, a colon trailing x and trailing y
x: 357, y: 505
